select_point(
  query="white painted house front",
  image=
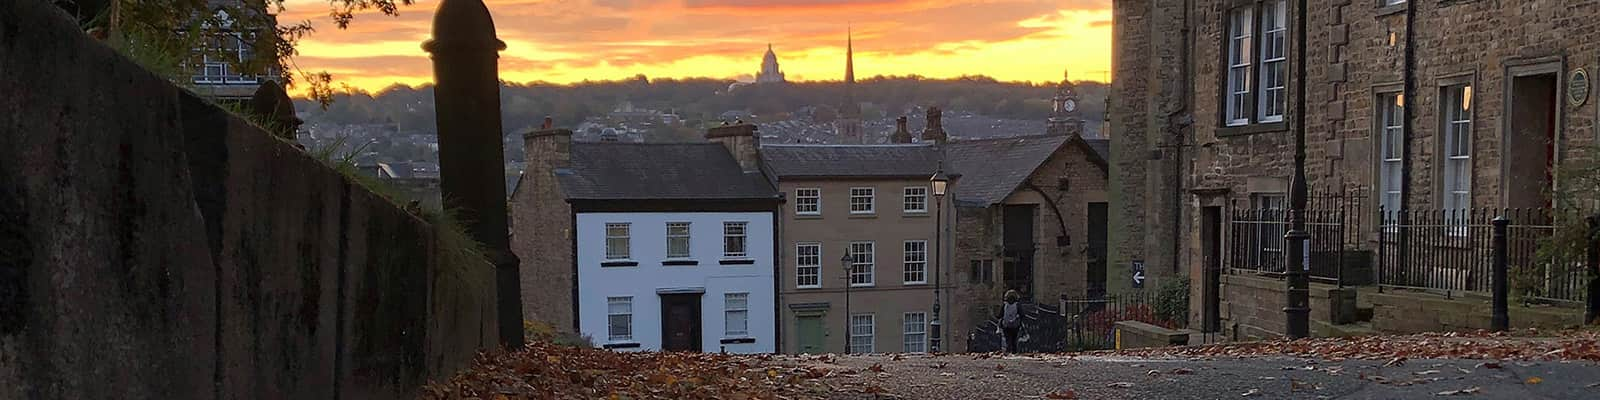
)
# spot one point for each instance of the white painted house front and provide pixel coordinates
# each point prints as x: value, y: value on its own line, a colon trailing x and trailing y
x: 648, y: 280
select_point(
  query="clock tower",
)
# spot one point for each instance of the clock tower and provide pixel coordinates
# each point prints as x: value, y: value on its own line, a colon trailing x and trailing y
x: 1064, y: 118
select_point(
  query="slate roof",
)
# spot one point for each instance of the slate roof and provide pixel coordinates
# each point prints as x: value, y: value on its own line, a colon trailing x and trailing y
x: 863, y: 161
x: 993, y: 168
x: 1101, y: 147
x: 657, y: 171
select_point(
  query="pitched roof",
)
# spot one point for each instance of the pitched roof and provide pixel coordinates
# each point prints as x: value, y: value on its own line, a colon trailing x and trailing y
x: 993, y: 168
x: 1101, y: 147
x: 864, y: 161
x: 658, y: 171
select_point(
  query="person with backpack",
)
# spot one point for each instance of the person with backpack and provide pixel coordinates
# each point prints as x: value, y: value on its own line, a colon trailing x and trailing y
x: 1011, y: 320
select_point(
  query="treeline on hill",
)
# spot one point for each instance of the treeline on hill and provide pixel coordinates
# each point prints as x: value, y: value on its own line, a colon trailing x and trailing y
x: 704, y: 100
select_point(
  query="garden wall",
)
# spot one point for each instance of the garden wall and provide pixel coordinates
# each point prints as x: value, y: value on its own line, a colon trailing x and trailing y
x: 155, y: 246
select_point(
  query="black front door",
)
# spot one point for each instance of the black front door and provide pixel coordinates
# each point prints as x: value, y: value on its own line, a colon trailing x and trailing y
x: 1097, y: 250
x: 1018, y: 236
x: 1211, y: 244
x: 680, y: 322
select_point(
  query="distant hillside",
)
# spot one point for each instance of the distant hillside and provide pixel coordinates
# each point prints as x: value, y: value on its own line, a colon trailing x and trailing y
x: 700, y: 101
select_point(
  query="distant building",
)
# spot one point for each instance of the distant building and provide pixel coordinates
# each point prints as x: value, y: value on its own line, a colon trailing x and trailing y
x: 770, y: 73
x: 848, y: 126
x: 650, y: 247
x: 217, y: 68
x: 1064, y: 118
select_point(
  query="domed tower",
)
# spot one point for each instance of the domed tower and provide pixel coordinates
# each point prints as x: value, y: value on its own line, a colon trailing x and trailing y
x: 770, y: 73
x: 1064, y: 118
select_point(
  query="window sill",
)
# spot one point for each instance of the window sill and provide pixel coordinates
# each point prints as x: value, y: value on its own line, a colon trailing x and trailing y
x: 914, y: 214
x: 679, y: 263
x: 738, y: 340
x: 863, y: 285
x: 863, y: 216
x: 924, y: 283
x: 737, y: 261
x: 1384, y: 11
x: 1253, y: 129
x: 621, y: 345
x: 808, y: 216
x: 618, y: 263
x: 808, y: 287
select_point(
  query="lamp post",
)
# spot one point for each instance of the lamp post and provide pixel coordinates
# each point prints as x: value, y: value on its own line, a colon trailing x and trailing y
x: 844, y: 262
x: 939, y: 182
x: 1298, y: 308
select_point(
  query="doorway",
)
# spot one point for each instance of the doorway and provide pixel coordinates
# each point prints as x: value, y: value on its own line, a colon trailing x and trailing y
x: 1097, y: 250
x: 680, y: 322
x: 812, y: 335
x: 1211, y: 245
x: 1018, y: 240
x: 1530, y: 140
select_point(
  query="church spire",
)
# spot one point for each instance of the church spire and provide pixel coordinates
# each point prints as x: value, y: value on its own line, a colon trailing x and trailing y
x: 849, y: 58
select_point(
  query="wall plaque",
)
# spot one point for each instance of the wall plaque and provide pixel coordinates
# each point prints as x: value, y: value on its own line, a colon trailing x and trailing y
x: 1578, y: 87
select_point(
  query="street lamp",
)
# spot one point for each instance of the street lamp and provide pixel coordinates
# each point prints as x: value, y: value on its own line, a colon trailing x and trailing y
x: 1298, y: 306
x: 844, y: 263
x: 939, y: 182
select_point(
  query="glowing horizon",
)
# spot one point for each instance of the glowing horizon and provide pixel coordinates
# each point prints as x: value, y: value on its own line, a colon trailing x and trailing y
x: 571, y: 41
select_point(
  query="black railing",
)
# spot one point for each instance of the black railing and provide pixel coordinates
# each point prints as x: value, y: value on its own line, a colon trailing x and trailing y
x: 1091, y: 321
x: 1452, y: 252
x: 1335, y: 221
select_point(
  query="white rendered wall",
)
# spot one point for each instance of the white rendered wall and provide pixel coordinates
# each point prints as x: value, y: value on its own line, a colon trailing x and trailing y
x: 648, y: 237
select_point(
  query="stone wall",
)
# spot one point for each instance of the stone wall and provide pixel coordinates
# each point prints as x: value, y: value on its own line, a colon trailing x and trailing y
x: 542, y: 228
x: 1252, y: 307
x: 155, y: 246
x: 1135, y: 334
x: 1397, y: 311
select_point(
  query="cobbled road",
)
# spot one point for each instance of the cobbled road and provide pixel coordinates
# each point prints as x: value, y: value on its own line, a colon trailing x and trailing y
x: 970, y: 377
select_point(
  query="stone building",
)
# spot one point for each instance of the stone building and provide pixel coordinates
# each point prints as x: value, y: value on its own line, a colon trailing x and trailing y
x: 1031, y: 216
x: 847, y: 128
x: 1420, y: 105
x: 870, y: 205
x: 770, y: 73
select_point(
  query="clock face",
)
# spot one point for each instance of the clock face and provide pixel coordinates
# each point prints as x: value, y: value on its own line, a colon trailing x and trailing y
x: 1070, y: 105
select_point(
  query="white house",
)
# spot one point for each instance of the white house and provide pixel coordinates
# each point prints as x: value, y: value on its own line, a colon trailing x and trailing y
x: 680, y: 280
x: 648, y: 246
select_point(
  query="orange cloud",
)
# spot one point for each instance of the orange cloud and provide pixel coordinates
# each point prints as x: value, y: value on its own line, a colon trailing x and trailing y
x: 567, y: 41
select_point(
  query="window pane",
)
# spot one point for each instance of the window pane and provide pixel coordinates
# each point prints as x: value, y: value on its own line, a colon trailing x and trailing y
x: 808, y: 264
x: 733, y: 239
x: 808, y: 201
x: 861, y: 200
x: 736, y: 308
x: 678, y: 240
x: 861, y: 334
x: 619, y: 318
x: 1239, y: 56
x: 915, y: 331
x: 617, y: 241
x: 916, y: 199
x: 861, y: 264
x: 916, y: 261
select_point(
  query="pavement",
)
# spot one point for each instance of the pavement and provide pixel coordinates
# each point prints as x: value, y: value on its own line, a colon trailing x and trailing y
x: 974, y: 377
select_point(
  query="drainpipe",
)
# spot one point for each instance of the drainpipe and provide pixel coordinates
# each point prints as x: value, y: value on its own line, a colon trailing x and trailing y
x: 1410, y: 99
x: 1179, y: 121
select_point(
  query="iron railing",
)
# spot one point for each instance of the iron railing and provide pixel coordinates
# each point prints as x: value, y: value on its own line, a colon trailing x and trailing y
x: 1452, y: 252
x: 1091, y: 321
x: 1256, y: 244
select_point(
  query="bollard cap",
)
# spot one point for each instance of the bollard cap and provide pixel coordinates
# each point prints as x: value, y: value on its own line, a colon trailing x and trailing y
x: 463, y: 25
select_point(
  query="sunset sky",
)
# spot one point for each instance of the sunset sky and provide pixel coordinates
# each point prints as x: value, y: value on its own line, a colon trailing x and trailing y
x: 567, y: 41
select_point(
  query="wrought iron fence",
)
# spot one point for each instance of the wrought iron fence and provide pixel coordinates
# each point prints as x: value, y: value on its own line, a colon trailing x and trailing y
x: 1091, y: 321
x: 1452, y: 251
x: 1334, y: 220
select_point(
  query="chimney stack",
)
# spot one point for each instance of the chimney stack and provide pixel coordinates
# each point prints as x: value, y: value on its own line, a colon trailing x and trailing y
x: 902, y: 135
x: 935, y: 131
x: 741, y: 142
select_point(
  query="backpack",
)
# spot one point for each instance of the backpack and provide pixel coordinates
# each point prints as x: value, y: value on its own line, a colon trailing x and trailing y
x: 1010, y: 317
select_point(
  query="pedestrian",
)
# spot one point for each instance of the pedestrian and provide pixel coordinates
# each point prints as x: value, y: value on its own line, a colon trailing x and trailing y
x: 1011, y: 320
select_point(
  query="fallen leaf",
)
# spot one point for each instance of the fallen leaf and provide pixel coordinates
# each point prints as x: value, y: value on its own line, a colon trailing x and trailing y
x: 1428, y: 372
x: 1397, y: 361
x: 1182, y: 371
x: 1153, y: 372
x: 1252, y: 392
x: 1533, y: 380
x: 998, y: 367
x: 1592, y: 385
x: 876, y: 368
x: 1489, y: 365
x: 1064, y: 394
x: 1471, y: 390
x: 1120, y: 385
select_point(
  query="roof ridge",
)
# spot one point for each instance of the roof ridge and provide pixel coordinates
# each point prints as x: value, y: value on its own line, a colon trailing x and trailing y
x: 996, y: 139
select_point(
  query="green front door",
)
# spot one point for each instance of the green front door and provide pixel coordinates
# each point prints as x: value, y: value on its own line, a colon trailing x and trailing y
x: 811, y: 334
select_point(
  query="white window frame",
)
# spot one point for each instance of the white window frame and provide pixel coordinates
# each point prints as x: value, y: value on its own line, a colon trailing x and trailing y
x: 914, y: 258
x: 736, y: 314
x: 1456, y: 142
x: 914, y: 200
x: 686, y: 236
x: 808, y: 267
x: 1386, y: 3
x: 1273, y: 94
x: 914, y: 332
x: 863, y: 265
x: 863, y: 335
x: 735, y: 230
x: 808, y: 201
x: 863, y: 200
x: 623, y: 325
x: 1241, y: 31
x: 1391, y: 150
x: 624, y: 239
